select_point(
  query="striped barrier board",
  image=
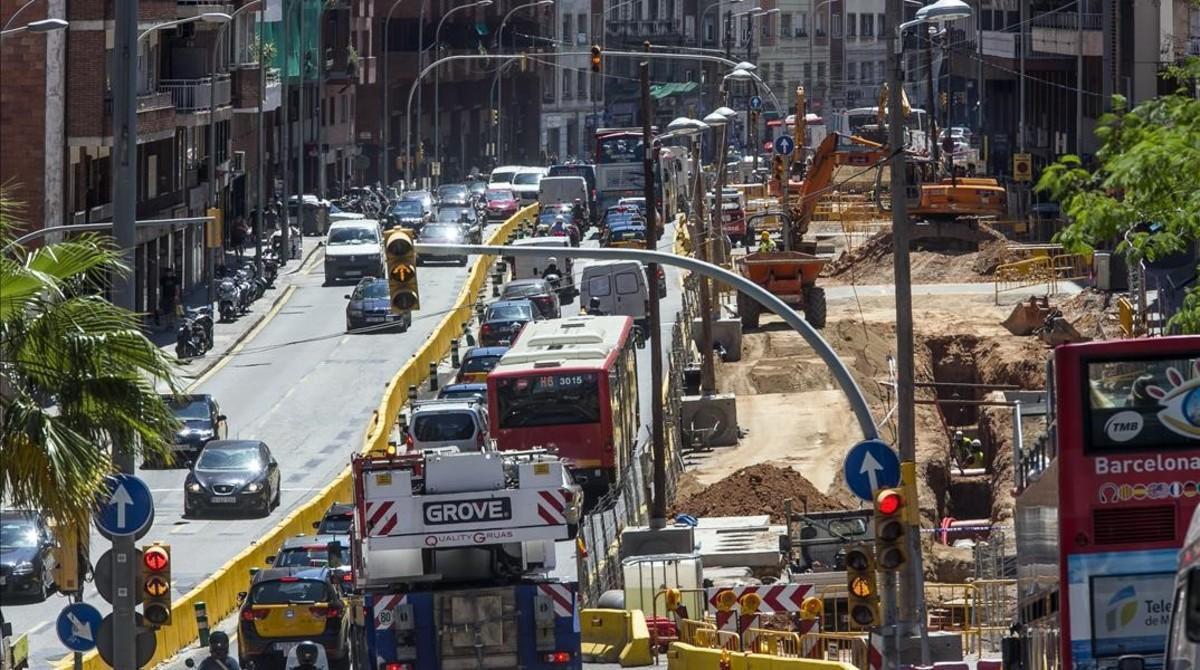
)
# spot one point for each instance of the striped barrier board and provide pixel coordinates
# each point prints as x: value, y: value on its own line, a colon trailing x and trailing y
x: 776, y: 598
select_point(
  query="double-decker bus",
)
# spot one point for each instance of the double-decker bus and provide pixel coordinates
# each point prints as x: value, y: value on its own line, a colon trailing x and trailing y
x: 619, y: 169
x: 570, y: 385
x: 1104, y: 502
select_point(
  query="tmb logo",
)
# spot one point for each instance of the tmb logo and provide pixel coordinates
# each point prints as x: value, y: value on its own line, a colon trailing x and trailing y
x: 1123, y: 426
x: 463, y: 511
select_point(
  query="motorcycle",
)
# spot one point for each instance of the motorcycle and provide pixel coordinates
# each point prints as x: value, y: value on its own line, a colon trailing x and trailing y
x: 202, y: 319
x: 228, y: 298
x: 245, y: 291
x: 270, y: 268
x: 190, y: 339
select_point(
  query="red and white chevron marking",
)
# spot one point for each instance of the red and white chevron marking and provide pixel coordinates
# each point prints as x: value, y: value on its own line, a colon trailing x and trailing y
x: 875, y: 652
x: 384, y: 609
x: 775, y: 597
x: 381, y: 517
x: 562, y: 597
x: 809, y: 647
x: 552, y: 506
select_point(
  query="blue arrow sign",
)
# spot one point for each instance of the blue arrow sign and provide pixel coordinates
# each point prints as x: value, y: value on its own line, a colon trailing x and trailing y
x: 128, y: 507
x: 78, y: 625
x: 871, y: 465
x: 784, y: 145
x: 755, y: 102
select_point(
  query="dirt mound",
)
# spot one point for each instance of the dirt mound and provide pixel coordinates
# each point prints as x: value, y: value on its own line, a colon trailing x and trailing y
x: 758, y: 489
x: 872, y: 263
x: 1093, y: 313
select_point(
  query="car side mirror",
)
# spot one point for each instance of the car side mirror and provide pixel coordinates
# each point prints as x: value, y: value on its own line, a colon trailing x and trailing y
x: 269, y: 560
x: 242, y: 596
x: 190, y: 465
x: 347, y: 296
x: 316, y: 524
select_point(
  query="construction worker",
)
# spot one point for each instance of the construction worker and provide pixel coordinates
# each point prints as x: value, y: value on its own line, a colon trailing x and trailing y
x: 765, y: 243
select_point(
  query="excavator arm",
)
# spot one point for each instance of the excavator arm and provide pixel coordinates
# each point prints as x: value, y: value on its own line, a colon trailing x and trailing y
x: 820, y: 175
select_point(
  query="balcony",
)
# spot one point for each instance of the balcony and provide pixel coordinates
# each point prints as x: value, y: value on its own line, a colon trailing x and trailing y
x: 341, y: 64
x: 1060, y: 33
x: 186, y: 9
x: 193, y: 96
x: 245, y: 89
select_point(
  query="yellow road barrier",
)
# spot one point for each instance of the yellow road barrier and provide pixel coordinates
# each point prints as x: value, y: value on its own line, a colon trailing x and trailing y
x: 682, y: 656
x: 604, y: 634
x: 220, y: 591
x: 1023, y: 274
x: 637, y: 642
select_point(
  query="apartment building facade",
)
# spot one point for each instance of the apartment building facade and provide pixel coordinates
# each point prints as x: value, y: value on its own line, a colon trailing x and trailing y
x: 567, y: 87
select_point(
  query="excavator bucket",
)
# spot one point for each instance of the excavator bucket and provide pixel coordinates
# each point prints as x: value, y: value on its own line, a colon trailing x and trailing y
x: 1028, y: 317
x: 1057, y: 330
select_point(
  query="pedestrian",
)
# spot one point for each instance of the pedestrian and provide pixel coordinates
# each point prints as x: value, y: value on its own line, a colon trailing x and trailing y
x: 765, y: 243
x: 237, y: 237
x: 168, y: 296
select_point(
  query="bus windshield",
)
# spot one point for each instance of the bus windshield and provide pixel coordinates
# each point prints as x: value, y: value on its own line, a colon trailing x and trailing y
x: 623, y: 148
x: 548, y: 400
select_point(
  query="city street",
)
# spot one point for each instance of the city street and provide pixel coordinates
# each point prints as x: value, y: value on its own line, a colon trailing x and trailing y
x: 303, y: 386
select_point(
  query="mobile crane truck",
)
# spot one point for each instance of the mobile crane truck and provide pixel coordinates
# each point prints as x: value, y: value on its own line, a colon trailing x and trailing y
x: 452, y: 557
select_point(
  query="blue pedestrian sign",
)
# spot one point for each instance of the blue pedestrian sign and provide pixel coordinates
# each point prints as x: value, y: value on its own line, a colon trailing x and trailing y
x: 785, y: 145
x: 871, y: 465
x: 756, y: 102
x: 127, y: 508
x: 78, y: 625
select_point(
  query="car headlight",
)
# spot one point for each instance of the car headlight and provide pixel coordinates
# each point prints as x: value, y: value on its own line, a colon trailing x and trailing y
x: 194, y: 487
x: 23, y: 568
x: 253, y: 487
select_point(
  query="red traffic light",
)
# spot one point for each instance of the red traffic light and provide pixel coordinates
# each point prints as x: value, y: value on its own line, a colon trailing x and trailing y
x: 889, y: 502
x: 156, y: 559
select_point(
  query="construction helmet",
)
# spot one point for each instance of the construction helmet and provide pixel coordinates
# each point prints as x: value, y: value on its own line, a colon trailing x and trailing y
x: 764, y: 236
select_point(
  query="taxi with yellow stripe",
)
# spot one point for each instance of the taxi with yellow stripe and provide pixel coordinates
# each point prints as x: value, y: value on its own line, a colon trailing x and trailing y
x: 287, y: 606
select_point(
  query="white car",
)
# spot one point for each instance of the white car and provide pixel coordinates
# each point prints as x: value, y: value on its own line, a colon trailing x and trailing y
x: 461, y: 425
x: 526, y: 183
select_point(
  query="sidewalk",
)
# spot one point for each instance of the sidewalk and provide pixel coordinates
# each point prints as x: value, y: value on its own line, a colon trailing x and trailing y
x: 226, y: 336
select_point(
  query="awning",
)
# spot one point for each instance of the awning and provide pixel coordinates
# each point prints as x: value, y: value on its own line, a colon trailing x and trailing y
x: 660, y: 91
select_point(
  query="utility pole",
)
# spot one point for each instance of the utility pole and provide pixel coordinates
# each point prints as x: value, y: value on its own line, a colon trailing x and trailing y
x: 124, y: 198
x: 303, y: 116
x: 911, y: 592
x: 708, y: 374
x: 658, y: 511
x: 285, y: 140
x: 260, y: 182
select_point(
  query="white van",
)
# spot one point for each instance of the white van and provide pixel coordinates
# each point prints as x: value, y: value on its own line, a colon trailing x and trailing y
x: 553, y: 190
x: 502, y: 176
x: 529, y: 267
x: 353, y: 250
x: 620, y: 287
x: 525, y: 184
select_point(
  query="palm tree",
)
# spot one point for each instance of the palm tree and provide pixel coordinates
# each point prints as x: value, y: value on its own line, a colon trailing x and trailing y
x: 76, y: 374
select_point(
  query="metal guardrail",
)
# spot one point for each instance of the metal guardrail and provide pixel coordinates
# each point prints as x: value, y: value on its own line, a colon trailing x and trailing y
x: 194, y: 95
x: 1024, y: 274
x: 842, y: 647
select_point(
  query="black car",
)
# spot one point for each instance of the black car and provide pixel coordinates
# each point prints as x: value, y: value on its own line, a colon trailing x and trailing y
x: 26, y: 555
x: 406, y: 214
x: 201, y: 421
x: 454, y: 194
x: 337, y: 520
x: 504, y: 319
x: 442, y: 233
x: 466, y: 217
x: 370, y: 307
x: 233, y: 475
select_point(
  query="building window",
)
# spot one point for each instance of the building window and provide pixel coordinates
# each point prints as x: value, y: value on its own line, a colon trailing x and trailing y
x: 710, y: 30
x: 779, y: 75
x: 808, y: 75
x: 881, y: 21
x: 785, y: 26
x: 670, y: 9
x: 868, y: 72
x: 568, y: 85
x: 835, y: 25
x: 548, y: 89
x: 851, y: 74
x: 867, y: 26
x: 581, y: 25
x: 768, y: 23
x: 821, y: 73
x: 851, y: 25
x: 821, y: 24
x: 566, y: 27
x: 802, y: 24
x: 581, y: 81
x: 345, y: 109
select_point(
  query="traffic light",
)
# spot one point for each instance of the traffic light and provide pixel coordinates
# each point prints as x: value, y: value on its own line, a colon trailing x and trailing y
x: 495, y: 117
x: 890, y: 552
x: 945, y: 99
x: 154, y: 578
x: 863, y: 597
x: 596, y: 58
x: 402, y: 271
x: 777, y: 168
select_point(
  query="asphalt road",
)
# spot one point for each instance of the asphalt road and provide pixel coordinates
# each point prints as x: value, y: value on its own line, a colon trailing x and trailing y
x: 302, y: 385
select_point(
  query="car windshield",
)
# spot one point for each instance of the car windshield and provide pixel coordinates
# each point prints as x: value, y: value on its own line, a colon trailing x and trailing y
x: 524, y: 290
x: 407, y: 208
x: 376, y: 289
x: 477, y: 187
x: 289, y: 590
x: 190, y: 410
x: 527, y: 178
x: 509, y: 312
x: 480, y: 363
x: 452, y: 192
x: 353, y: 235
x: 618, y: 220
x: 316, y: 556
x: 453, y: 214
x: 461, y: 394
x: 550, y: 218
x: 443, y: 427
x: 441, y: 233
x: 502, y: 177
x: 230, y: 458
x: 496, y: 194
x: 548, y: 400
x: 336, y: 524
x: 18, y: 534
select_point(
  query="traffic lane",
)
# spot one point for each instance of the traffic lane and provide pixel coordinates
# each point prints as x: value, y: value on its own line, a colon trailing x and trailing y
x: 303, y: 386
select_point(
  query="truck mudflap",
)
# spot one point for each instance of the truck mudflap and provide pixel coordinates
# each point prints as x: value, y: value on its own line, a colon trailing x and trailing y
x: 530, y: 626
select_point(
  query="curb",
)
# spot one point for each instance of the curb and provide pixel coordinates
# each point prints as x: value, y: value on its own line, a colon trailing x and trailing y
x: 197, y: 373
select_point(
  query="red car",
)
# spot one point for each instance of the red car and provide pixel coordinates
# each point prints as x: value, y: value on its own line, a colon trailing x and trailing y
x: 500, y: 204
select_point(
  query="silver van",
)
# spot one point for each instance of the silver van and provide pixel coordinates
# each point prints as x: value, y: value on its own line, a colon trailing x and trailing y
x: 527, y: 267
x: 620, y: 289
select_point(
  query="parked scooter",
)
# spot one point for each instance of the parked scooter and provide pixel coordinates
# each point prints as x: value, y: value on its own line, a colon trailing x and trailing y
x: 245, y: 290
x: 270, y: 267
x: 229, y: 298
x: 202, y: 317
x: 192, y: 338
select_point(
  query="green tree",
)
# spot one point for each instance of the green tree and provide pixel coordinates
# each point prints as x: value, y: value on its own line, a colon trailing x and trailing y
x: 76, y: 374
x: 1147, y: 171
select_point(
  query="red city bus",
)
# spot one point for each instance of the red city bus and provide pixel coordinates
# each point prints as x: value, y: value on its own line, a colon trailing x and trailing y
x: 1104, y: 500
x: 570, y: 385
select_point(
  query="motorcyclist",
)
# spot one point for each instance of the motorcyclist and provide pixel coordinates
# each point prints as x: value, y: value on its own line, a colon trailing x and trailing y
x: 308, y: 656
x: 218, y: 654
x: 594, y: 307
x: 577, y: 210
x: 551, y: 268
x: 559, y: 229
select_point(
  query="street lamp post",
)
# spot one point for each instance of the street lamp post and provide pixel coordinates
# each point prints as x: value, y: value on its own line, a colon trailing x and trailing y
x: 437, y: 84
x: 500, y: 88
x: 42, y: 26
x: 385, y: 128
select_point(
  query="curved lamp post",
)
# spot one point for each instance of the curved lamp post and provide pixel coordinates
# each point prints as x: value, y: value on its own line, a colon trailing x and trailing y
x: 499, y: 87
x: 437, y: 84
